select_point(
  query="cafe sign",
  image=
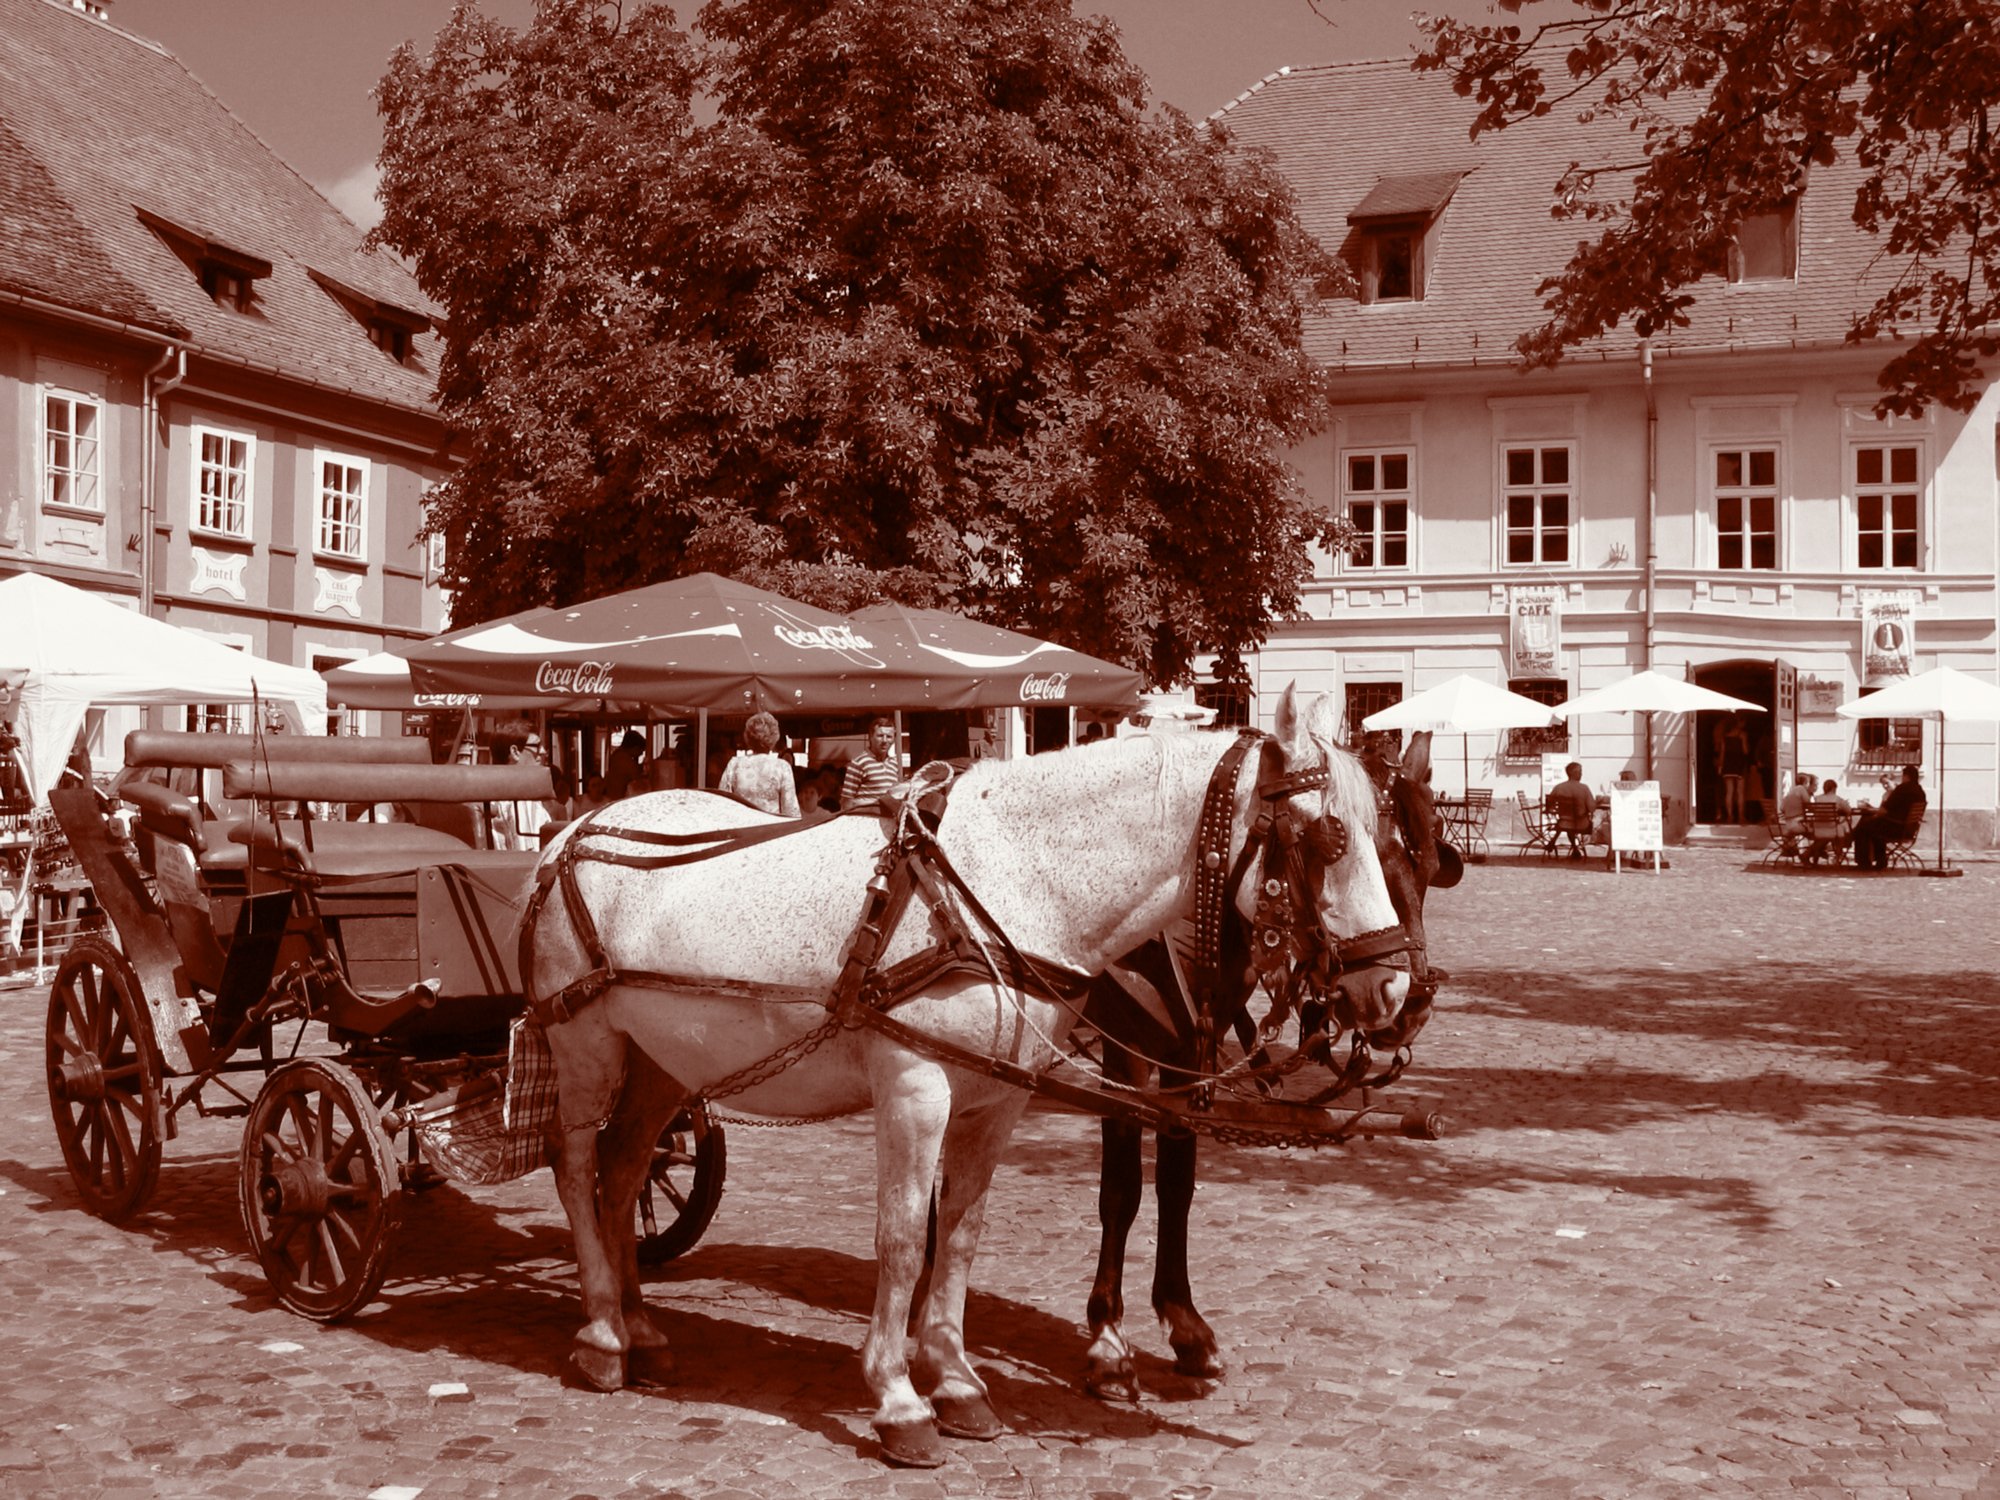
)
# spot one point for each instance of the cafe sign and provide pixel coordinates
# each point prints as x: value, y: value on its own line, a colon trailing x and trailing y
x: 1534, y: 636
x: 1888, y: 635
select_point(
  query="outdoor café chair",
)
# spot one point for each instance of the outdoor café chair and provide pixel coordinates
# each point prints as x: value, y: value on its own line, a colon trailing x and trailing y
x: 1826, y: 826
x: 1478, y: 808
x: 1538, y: 826
x: 1783, y: 845
x: 1902, y: 849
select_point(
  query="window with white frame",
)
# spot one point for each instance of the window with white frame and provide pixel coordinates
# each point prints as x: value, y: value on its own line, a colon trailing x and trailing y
x: 1746, y: 508
x: 72, y: 457
x: 1540, y: 501
x: 222, y: 482
x: 343, y: 505
x: 1888, y: 505
x: 220, y: 718
x: 1377, y: 492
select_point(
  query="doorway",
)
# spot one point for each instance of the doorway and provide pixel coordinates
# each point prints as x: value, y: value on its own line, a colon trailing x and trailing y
x: 1766, y: 747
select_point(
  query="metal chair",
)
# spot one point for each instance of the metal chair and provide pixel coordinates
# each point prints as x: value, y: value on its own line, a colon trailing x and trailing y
x: 1901, y: 851
x: 1478, y: 808
x: 1538, y: 826
x: 1827, y: 822
x: 1783, y: 845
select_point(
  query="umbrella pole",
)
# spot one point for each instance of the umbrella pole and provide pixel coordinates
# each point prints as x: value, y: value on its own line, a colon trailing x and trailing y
x: 701, y: 748
x: 1942, y: 868
x: 1465, y: 765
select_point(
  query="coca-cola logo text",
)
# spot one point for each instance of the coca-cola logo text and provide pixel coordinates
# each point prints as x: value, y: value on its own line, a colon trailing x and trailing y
x: 584, y: 679
x: 1046, y: 687
x: 841, y: 638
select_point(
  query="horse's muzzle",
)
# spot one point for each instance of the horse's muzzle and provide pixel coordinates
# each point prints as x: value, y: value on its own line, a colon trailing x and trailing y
x: 1374, y: 994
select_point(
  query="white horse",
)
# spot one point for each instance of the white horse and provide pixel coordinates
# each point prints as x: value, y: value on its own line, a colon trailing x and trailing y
x: 713, y: 977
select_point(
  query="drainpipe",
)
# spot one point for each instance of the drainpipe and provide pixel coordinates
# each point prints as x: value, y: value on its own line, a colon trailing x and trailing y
x: 152, y: 389
x: 1652, y: 521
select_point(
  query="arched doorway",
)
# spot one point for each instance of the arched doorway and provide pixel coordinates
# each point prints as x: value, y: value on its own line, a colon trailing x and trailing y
x: 1771, y: 741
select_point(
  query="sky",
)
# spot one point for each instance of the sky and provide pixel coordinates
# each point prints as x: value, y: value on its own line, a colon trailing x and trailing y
x: 299, y: 72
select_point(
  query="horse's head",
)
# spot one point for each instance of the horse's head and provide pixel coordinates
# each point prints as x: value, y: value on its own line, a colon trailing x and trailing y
x: 1333, y: 810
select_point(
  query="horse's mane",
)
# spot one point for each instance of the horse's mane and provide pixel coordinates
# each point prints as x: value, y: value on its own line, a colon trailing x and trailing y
x: 1350, y: 794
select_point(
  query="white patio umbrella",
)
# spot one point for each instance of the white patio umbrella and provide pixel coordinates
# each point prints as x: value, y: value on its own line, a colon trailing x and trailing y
x: 1651, y: 692
x: 1464, y: 706
x: 1943, y: 693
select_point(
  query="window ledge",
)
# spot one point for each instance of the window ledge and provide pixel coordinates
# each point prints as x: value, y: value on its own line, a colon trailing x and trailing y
x: 81, y: 512
x: 227, y: 539
x: 340, y: 560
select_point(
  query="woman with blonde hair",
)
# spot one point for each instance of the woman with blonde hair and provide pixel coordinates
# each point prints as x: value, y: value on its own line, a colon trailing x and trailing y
x: 757, y: 774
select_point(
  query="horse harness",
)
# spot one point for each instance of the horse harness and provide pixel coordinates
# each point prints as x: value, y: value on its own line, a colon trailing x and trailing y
x: 1291, y: 951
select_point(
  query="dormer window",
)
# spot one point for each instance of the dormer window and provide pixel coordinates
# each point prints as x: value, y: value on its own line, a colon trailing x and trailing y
x: 227, y: 274
x: 1765, y: 247
x: 1395, y: 234
x: 390, y: 328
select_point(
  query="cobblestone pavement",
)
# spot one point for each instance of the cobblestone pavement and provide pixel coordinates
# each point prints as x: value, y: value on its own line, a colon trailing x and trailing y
x: 1715, y: 1216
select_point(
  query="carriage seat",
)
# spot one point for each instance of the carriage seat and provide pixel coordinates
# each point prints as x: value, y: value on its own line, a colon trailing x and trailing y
x: 341, y: 781
x: 341, y: 851
x: 173, y: 749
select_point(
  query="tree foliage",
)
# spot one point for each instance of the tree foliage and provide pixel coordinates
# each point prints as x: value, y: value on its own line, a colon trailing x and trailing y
x: 1732, y: 104
x: 854, y: 298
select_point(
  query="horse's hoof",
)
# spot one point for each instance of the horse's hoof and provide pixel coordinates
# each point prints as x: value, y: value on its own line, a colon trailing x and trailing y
x: 603, y: 1369
x: 912, y: 1445
x: 649, y: 1365
x: 1204, y: 1364
x: 1114, y: 1383
x: 967, y: 1417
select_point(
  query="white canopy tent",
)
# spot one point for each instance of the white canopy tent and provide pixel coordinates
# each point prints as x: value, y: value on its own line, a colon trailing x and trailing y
x: 71, y: 650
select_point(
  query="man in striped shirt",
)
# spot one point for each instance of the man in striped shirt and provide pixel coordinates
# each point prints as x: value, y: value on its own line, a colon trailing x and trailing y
x: 874, y: 773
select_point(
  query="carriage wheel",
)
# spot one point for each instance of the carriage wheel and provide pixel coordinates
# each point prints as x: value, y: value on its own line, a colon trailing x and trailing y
x: 104, y: 1079
x: 320, y: 1189
x: 683, y: 1186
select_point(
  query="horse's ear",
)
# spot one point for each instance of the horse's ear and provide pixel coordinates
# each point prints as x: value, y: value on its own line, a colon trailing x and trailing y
x: 1290, y: 727
x: 1417, y: 759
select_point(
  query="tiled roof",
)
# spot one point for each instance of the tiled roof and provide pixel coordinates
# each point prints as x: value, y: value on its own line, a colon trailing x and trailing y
x: 96, y: 124
x: 46, y: 254
x: 1339, y: 129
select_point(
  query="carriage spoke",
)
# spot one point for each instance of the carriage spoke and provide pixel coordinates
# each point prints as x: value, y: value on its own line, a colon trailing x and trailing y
x: 330, y: 1252
x: 123, y: 1151
x: 94, y: 1128
x: 79, y: 1026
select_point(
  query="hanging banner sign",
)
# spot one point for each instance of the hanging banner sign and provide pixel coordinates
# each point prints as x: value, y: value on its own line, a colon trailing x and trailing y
x: 1534, y: 638
x: 1888, y: 635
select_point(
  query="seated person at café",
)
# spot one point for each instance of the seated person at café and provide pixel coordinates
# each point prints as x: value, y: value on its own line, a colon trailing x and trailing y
x: 1792, y: 808
x: 1575, y: 808
x: 1899, y: 811
x: 1827, y: 821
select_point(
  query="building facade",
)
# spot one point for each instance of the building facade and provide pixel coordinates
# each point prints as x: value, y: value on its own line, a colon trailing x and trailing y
x: 1720, y: 502
x: 215, y: 404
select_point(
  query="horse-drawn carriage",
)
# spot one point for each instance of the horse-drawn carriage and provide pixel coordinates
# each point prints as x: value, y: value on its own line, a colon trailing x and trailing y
x: 676, y: 949
x: 349, y: 988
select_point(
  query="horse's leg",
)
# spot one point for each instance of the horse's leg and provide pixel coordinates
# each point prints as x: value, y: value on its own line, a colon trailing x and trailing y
x: 973, y: 1143
x: 624, y: 1156
x: 590, y: 1064
x: 912, y: 1107
x: 1109, y: 1373
x: 1173, y: 1299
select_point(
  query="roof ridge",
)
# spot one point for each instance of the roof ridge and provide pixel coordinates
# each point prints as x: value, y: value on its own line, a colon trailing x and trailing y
x: 1290, y: 69
x: 71, y: 8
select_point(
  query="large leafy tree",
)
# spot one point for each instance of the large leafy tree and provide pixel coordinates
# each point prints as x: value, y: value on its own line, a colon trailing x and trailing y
x: 853, y: 298
x: 1732, y: 104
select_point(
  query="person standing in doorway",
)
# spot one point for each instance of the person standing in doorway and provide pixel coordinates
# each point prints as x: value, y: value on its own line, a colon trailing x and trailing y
x: 1734, y: 764
x: 873, y: 774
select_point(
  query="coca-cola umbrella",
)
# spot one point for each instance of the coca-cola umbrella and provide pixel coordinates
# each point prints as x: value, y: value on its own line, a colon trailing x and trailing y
x: 937, y: 659
x: 707, y: 642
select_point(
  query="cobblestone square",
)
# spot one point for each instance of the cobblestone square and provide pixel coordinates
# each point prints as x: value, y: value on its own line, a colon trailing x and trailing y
x: 1714, y: 1216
